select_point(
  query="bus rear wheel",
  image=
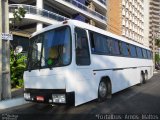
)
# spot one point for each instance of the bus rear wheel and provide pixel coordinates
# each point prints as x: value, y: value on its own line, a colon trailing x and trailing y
x: 146, y: 75
x: 102, y: 91
x: 142, y: 81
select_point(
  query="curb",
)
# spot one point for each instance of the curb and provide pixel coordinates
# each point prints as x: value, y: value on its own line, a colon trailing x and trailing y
x: 155, y: 72
x: 12, y: 103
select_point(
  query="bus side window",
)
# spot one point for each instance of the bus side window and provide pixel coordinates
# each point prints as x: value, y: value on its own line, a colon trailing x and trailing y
x: 124, y: 48
x: 144, y: 53
x: 99, y: 43
x: 82, y: 49
x: 133, y: 51
x: 116, y: 49
x: 149, y: 54
x: 139, y: 52
x: 120, y: 47
x: 92, y: 42
x: 110, y: 45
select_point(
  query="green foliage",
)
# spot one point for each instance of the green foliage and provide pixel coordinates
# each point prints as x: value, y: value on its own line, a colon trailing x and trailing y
x: 17, y: 67
x: 19, y: 14
x: 17, y: 62
x: 157, y: 58
x: 157, y: 42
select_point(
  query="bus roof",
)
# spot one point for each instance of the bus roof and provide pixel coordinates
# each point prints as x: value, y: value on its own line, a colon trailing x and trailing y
x: 88, y: 27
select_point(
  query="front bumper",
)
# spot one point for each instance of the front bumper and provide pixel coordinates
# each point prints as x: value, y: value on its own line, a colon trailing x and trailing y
x: 49, y: 96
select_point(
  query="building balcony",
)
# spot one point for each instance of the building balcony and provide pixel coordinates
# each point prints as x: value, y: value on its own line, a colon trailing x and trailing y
x: 83, y: 7
x: 102, y: 1
x: 74, y: 7
x: 36, y: 14
x: 100, y: 5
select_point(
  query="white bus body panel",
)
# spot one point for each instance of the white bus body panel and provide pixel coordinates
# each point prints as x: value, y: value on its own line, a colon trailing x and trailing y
x: 84, y: 80
x: 44, y: 79
x: 85, y: 89
x: 71, y: 79
x: 123, y: 72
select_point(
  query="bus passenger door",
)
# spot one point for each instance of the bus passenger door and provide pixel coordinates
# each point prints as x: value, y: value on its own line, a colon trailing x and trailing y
x: 84, y: 76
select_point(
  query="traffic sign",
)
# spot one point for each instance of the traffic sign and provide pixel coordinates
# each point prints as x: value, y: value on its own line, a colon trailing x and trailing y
x: 6, y: 36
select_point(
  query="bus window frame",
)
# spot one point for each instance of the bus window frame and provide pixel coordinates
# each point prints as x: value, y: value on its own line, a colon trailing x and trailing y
x: 120, y: 47
x: 87, y: 41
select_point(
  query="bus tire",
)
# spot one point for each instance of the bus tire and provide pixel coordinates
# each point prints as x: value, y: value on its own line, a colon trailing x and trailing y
x: 146, y: 75
x: 142, y: 80
x: 102, y: 90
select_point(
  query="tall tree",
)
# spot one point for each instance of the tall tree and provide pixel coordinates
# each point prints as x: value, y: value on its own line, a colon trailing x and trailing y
x: 157, y: 42
x: 18, y: 16
x: 157, y: 58
x: 157, y: 55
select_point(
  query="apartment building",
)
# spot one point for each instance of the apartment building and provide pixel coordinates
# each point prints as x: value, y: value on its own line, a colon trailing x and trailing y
x: 154, y: 23
x: 146, y: 23
x: 41, y: 13
x: 126, y: 18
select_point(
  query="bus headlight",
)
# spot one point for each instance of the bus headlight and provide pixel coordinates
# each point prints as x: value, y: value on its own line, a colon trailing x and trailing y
x: 27, y: 96
x: 59, y: 98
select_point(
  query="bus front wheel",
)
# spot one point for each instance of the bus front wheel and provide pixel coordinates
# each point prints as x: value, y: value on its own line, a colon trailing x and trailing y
x: 102, y: 90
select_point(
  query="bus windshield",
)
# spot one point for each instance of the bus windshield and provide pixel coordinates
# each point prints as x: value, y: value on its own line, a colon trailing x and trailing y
x: 50, y: 49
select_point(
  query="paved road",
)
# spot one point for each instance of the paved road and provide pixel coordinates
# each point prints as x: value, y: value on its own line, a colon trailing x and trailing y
x: 139, y: 99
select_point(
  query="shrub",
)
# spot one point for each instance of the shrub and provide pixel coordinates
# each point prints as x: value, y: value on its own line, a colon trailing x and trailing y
x: 17, y: 67
x: 157, y: 58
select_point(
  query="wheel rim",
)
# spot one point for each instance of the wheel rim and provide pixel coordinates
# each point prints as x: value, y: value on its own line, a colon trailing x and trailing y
x: 102, y: 89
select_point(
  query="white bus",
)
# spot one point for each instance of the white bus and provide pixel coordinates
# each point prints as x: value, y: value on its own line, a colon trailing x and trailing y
x: 73, y: 63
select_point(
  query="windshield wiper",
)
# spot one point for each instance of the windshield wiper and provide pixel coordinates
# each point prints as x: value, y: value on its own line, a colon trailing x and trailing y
x: 33, y: 62
x: 41, y: 55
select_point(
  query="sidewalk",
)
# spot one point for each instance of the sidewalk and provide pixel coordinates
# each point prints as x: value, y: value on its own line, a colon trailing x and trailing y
x: 16, y: 100
x: 156, y: 71
x: 17, y: 92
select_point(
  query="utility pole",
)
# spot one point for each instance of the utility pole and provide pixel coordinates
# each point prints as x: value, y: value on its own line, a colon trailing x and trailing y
x: 0, y: 50
x: 5, y: 86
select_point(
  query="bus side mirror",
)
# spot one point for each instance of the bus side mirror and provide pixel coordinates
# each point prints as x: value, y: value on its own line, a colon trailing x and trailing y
x: 18, y: 49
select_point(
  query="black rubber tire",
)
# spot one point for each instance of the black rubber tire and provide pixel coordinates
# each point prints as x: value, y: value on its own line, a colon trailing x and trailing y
x: 143, y: 78
x: 102, y: 91
x: 146, y: 76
